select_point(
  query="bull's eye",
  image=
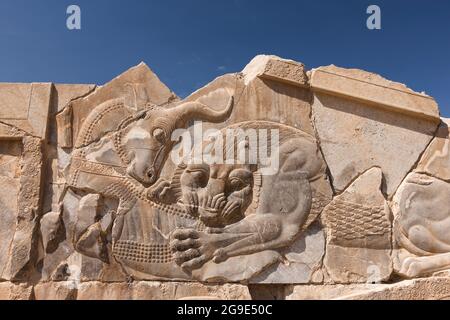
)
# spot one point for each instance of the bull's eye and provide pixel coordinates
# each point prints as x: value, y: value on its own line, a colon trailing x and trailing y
x: 159, y: 135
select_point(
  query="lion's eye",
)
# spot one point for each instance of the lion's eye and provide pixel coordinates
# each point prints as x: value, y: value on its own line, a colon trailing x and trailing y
x: 159, y: 135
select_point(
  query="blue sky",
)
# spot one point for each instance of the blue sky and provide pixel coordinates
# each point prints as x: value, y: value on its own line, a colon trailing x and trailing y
x: 190, y: 42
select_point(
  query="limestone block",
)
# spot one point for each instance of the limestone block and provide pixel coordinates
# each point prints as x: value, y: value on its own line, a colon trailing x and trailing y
x: 326, y: 291
x: 11, y: 291
x: 51, y: 231
x: 64, y: 263
x: 8, y: 214
x: 26, y: 106
x: 23, y: 250
x: 55, y: 291
x: 160, y: 291
x: 436, y: 288
x: 359, y: 232
x: 372, y: 89
x: 436, y: 159
x: 10, y: 153
x: 277, y: 69
x: 301, y: 262
x: 10, y: 132
x: 64, y: 127
x: 68, y: 92
x: 15, y: 101
x: 355, y: 137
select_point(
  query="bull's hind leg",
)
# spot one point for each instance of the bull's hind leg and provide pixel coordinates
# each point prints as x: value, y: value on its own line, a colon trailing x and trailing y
x: 420, y: 266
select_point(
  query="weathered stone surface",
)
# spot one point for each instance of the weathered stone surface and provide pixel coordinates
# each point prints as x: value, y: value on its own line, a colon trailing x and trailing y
x: 355, y: 137
x: 260, y: 99
x: 267, y: 99
x: 422, y: 218
x: 15, y: 100
x: 359, y: 232
x: 8, y: 132
x: 26, y: 106
x: 436, y: 159
x: 23, y: 250
x: 64, y: 127
x: 11, y: 291
x: 160, y: 291
x: 281, y: 177
x: 436, y: 288
x: 421, y: 208
x: 326, y: 291
x: 10, y: 153
x: 52, y: 230
x: 8, y: 209
x: 277, y: 69
x: 55, y: 291
x: 301, y: 262
x: 137, y: 87
x: 373, y: 89
x: 68, y: 92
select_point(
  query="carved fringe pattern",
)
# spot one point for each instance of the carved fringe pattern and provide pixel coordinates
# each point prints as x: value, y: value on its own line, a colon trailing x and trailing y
x: 117, y: 141
x: 352, y: 221
x: 143, y: 253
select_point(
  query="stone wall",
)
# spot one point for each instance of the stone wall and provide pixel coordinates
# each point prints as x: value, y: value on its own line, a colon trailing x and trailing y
x: 94, y: 206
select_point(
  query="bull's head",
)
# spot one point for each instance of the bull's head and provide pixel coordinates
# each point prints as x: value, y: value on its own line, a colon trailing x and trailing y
x: 147, y: 142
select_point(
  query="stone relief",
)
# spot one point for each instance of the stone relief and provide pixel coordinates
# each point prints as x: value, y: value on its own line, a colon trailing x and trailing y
x: 101, y: 190
x: 422, y: 205
x: 207, y: 226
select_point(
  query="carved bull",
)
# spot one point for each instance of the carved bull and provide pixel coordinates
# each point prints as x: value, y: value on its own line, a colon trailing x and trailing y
x: 125, y: 166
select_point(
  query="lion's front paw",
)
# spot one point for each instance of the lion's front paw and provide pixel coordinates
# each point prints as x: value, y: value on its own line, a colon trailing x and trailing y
x: 413, y: 267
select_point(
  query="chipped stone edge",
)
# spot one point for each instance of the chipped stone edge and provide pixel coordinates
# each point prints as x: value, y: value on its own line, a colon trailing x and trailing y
x: 380, y: 103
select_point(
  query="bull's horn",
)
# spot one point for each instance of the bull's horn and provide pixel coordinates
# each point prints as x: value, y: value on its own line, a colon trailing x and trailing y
x: 198, y: 111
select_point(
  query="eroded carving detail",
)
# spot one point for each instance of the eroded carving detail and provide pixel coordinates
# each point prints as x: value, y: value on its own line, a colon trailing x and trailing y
x: 422, y: 209
x: 219, y: 197
x: 353, y: 221
x: 124, y: 164
x: 421, y: 225
x: 118, y: 208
